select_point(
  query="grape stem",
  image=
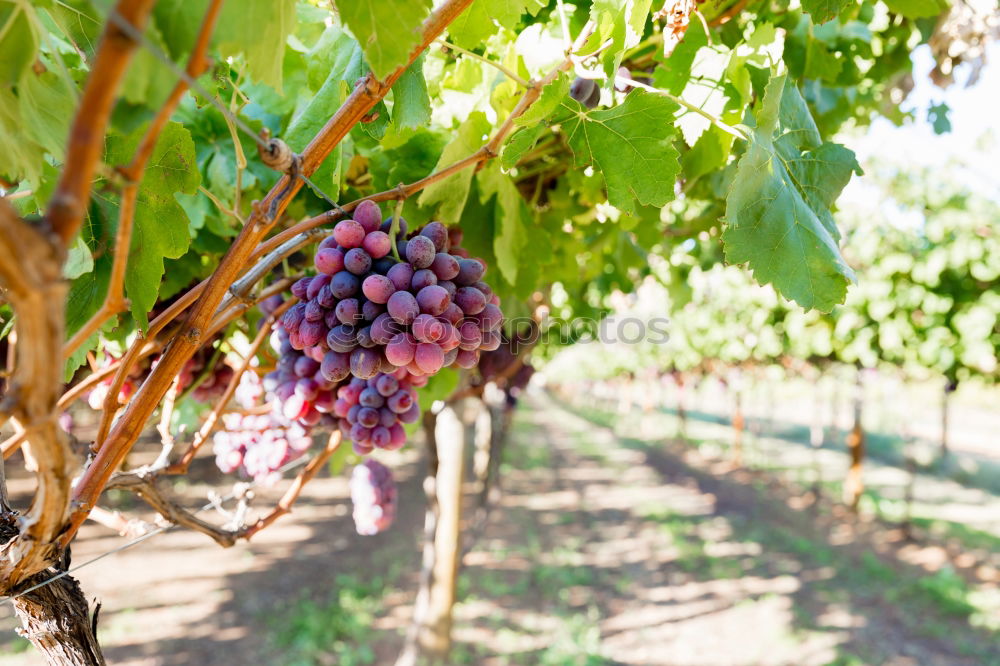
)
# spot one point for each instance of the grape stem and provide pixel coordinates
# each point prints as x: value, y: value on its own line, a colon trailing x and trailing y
x: 394, y: 227
x: 475, y: 56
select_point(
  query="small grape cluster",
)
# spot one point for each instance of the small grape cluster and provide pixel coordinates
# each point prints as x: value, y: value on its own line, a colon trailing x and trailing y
x: 97, y: 395
x: 213, y: 385
x: 373, y: 493
x: 368, y: 312
x: 372, y: 411
x: 260, y: 444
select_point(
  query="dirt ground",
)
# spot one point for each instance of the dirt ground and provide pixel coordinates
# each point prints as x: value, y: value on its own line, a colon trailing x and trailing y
x: 605, y: 549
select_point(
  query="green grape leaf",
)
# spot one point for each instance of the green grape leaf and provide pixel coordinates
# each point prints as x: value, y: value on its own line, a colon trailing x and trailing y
x: 46, y: 108
x: 18, y: 41
x: 257, y: 29
x: 510, y: 234
x: 709, y: 153
x: 161, y: 226
x: 824, y: 10
x: 917, y: 8
x: 79, y: 259
x: 411, y: 107
x: 631, y: 146
x: 308, y: 122
x: 548, y: 101
x: 620, y: 21
x: 22, y: 157
x: 777, y: 211
x: 508, y: 13
x: 448, y: 196
x: 388, y: 30
x: 519, y: 143
x: 472, y: 26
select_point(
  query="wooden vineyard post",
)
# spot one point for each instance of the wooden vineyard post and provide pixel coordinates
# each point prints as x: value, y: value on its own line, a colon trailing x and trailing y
x: 854, y: 484
x: 681, y: 408
x: 738, y: 421
x: 435, y: 634
x: 430, y: 631
x: 817, y: 435
x: 949, y: 388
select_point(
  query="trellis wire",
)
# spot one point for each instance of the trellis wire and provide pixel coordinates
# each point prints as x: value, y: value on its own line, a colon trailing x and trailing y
x: 139, y: 539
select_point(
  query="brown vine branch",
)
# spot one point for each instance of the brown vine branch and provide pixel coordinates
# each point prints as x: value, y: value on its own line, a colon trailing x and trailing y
x: 305, y: 476
x: 31, y: 274
x: 86, y: 138
x: 128, y: 428
x: 114, y: 302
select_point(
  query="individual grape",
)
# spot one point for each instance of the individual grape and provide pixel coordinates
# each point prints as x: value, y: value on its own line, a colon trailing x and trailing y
x: 429, y: 357
x: 374, y: 496
x: 453, y: 314
x: 368, y: 215
x: 420, y: 251
x: 344, y: 284
x: 364, y: 362
x: 381, y: 438
x: 470, y: 337
x: 471, y: 300
x: 370, y: 397
x: 310, y: 333
x: 400, y: 401
x: 357, y: 261
x: 401, y: 275
x: 293, y: 317
x: 336, y: 366
x: 449, y: 356
x: 387, y: 385
x: 400, y: 350
x: 305, y: 367
x: 382, y: 265
x: 348, y: 311
x: 585, y: 91
x: 377, y: 244
x: 403, y: 307
x: 299, y: 287
x: 349, y: 233
x: 489, y: 318
x: 428, y: 329
x: 368, y: 416
x: 445, y: 266
x: 315, y: 285
x: 438, y: 234
x: 342, y: 338
x: 451, y: 338
x: 329, y: 261
x: 328, y: 241
x: 371, y: 309
x: 365, y: 337
x: 378, y: 288
x: 422, y: 278
x: 307, y: 388
x: 412, y: 415
x: 314, y: 311
x: 326, y: 298
x: 384, y: 329
x: 433, y: 299
x: 469, y: 271
x: 491, y: 340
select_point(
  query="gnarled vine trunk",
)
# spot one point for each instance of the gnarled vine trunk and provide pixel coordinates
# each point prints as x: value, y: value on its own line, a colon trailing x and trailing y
x: 57, y: 621
x: 854, y: 485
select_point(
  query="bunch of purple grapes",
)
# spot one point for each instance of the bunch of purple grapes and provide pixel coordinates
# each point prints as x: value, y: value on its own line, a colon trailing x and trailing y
x: 373, y: 493
x: 372, y: 411
x: 258, y: 445
x: 368, y: 312
x: 301, y: 388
